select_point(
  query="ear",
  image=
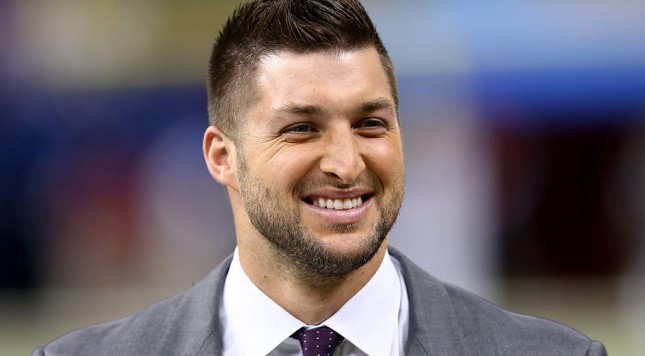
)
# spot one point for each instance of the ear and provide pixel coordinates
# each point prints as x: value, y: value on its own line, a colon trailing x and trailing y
x: 219, y: 153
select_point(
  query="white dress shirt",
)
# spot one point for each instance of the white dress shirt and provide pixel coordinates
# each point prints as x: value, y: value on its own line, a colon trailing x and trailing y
x: 373, y: 322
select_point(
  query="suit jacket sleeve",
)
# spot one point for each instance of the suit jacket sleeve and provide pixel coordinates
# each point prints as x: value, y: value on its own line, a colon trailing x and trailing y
x: 597, y: 349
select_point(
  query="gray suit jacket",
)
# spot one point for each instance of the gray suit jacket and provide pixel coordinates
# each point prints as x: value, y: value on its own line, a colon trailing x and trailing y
x: 444, y: 320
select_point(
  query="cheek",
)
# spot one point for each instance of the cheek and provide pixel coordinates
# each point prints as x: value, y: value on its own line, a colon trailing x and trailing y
x: 287, y: 168
x: 386, y: 161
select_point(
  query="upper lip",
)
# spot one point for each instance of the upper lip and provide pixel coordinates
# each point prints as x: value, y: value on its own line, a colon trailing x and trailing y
x: 338, y: 194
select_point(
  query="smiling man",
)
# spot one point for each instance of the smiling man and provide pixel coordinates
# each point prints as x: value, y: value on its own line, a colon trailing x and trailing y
x: 305, y: 136
x: 316, y: 179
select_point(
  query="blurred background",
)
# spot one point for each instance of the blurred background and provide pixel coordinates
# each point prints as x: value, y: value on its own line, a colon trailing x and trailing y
x: 524, y: 129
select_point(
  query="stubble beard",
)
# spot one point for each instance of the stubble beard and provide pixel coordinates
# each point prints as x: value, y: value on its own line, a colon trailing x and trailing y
x: 299, y: 249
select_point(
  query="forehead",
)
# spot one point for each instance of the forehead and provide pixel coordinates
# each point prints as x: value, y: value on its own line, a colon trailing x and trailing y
x: 328, y: 79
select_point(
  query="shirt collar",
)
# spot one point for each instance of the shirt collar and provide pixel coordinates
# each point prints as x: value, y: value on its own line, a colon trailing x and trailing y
x: 369, y: 319
x: 248, y: 310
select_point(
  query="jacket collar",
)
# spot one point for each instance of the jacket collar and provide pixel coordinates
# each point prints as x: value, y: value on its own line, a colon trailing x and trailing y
x: 433, y: 327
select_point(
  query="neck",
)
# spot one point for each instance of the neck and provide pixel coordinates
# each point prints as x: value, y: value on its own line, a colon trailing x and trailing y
x: 311, y: 300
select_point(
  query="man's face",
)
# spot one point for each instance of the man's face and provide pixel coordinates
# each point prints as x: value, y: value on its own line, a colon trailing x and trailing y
x: 320, y: 161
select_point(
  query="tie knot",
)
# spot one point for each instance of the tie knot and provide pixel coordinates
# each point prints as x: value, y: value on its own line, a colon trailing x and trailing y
x: 320, y: 341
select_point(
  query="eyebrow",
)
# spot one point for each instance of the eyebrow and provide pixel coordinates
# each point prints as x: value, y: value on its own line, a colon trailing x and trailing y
x: 297, y: 109
x: 374, y: 105
x: 316, y: 110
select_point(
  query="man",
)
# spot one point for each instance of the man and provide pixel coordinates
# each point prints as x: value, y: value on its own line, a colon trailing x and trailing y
x: 306, y: 138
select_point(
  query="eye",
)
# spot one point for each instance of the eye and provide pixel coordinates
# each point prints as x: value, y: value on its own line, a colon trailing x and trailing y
x: 372, y: 123
x: 299, y: 132
x: 299, y: 128
x: 371, y: 127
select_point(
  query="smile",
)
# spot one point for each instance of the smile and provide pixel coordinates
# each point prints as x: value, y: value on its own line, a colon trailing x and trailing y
x: 337, y: 204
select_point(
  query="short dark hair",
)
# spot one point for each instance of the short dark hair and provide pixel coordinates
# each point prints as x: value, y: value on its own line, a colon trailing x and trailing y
x: 264, y: 27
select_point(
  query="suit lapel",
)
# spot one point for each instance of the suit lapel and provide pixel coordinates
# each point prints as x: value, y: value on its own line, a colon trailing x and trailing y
x: 433, y: 326
x: 213, y: 342
x: 193, y: 328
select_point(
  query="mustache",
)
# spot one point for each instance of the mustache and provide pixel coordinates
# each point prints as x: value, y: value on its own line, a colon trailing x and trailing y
x: 368, y: 181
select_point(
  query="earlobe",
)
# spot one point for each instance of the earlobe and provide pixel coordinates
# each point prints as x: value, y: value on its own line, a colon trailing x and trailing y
x: 219, y: 153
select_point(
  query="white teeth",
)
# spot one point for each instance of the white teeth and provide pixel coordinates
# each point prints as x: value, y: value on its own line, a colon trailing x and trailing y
x: 338, y: 204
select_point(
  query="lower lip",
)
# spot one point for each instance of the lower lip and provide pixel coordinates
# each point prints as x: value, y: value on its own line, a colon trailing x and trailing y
x: 348, y: 216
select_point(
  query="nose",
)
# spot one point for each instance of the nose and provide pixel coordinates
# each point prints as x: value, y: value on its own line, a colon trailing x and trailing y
x: 342, y: 157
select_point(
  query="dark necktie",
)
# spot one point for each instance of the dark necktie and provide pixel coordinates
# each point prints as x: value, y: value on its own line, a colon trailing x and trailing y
x: 321, y: 341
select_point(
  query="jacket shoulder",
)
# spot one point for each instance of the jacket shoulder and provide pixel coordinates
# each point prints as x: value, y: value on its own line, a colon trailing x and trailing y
x: 446, y: 319
x: 487, y: 326
x: 186, y: 324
